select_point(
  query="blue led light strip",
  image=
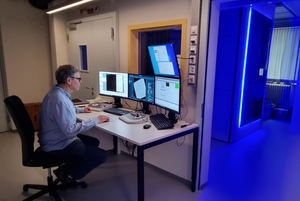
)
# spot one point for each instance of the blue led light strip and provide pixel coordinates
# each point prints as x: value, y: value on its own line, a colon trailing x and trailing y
x: 245, y: 64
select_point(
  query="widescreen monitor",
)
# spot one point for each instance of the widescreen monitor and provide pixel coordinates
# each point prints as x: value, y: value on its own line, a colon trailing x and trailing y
x: 141, y: 88
x: 167, y: 93
x: 113, y: 84
x: 164, y: 61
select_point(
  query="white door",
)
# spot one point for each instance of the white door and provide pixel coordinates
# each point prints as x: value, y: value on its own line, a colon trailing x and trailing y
x: 93, y: 46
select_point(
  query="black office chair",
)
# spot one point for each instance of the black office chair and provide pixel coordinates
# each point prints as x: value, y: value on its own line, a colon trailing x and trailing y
x: 35, y: 158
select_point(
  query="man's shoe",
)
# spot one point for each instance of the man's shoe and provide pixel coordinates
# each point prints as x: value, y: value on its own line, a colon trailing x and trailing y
x: 61, y: 174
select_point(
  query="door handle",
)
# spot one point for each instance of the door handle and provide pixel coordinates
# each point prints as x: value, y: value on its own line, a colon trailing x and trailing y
x: 91, y: 88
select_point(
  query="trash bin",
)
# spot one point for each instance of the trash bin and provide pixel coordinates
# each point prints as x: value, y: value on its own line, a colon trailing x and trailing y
x: 279, y: 114
x: 268, y: 109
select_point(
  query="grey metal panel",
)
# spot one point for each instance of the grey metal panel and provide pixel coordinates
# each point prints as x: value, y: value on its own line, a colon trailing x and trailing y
x: 222, y: 114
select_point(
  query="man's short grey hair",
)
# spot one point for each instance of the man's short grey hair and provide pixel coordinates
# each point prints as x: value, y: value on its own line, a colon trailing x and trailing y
x: 63, y: 72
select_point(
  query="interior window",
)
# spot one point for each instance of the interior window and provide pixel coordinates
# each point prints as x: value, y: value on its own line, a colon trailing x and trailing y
x: 156, y: 37
x: 83, y: 57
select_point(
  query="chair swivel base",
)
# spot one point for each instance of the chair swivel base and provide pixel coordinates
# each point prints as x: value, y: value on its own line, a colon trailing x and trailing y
x: 51, y: 188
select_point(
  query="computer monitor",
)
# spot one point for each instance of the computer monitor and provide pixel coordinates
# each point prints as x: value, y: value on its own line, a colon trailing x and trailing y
x: 141, y: 88
x: 164, y: 61
x: 113, y: 84
x: 168, y: 95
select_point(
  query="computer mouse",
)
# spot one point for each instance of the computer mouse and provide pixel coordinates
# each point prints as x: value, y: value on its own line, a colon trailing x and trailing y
x: 146, y: 126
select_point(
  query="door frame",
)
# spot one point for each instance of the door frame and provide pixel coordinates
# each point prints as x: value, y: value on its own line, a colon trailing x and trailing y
x: 3, y: 85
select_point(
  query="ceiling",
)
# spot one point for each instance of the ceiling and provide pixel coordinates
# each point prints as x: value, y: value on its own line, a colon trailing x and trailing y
x: 287, y: 10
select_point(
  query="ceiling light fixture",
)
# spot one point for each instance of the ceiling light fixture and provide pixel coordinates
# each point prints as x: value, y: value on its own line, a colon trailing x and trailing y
x: 64, y: 7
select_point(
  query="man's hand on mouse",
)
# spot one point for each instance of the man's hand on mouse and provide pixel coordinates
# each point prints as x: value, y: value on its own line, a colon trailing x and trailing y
x: 103, y: 118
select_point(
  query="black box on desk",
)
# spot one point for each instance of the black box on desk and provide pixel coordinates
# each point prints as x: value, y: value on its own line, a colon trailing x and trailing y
x: 279, y: 113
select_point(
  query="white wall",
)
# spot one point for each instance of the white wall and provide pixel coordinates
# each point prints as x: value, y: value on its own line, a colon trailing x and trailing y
x: 212, y: 33
x: 26, y: 47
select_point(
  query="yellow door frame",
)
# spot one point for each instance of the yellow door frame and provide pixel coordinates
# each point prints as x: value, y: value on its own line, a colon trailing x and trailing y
x: 133, y: 41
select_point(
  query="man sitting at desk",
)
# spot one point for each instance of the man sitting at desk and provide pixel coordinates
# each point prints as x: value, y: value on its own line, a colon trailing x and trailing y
x: 59, y: 131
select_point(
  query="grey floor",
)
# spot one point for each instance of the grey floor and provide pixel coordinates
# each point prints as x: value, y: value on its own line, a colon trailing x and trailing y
x: 263, y: 166
x: 115, y: 180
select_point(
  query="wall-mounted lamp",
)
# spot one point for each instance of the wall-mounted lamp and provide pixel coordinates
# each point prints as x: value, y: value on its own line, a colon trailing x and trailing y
x: 67, y: 6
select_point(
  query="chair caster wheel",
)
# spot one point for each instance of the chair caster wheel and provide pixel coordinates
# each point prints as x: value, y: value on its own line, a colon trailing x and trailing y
x: 83, y: 185
x: 25, y: 189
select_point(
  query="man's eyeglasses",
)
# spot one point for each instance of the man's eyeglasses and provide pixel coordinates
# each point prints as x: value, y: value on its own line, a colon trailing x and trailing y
x: 78, y: 78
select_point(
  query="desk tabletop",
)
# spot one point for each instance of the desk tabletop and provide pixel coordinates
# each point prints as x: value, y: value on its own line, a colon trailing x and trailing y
x: 135, y: 133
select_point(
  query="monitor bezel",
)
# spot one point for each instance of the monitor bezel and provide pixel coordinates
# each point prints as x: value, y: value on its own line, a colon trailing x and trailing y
x: 112, y: 95
x: 153, y: 89
x: 176, y: 61
x: 166, y: 108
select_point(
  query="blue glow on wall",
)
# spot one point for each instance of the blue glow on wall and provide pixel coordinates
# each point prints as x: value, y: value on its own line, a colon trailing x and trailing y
x: 245, y: 64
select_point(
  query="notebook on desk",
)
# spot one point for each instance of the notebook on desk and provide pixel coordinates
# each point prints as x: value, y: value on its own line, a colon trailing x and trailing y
x: 77, y: 101
x: 99, y: 106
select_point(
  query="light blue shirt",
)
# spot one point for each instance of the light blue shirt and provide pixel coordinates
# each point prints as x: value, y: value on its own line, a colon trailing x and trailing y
x: 58, y: 126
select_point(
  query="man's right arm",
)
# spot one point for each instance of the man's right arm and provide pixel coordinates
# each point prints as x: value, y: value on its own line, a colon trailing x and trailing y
x: 66, y: 120
x: 103, y: 118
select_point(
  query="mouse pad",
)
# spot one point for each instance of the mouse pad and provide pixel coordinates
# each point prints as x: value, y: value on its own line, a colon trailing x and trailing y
x: 130, y: 119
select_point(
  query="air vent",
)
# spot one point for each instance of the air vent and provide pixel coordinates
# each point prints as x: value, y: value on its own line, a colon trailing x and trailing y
x: 282, y: 12
x: 41, y: 4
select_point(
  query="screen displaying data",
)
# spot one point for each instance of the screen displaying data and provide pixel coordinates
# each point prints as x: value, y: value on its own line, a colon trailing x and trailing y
x: 113, y: 84
x: 167, y: 93
x: 164, y: 61
x: 141, y: 88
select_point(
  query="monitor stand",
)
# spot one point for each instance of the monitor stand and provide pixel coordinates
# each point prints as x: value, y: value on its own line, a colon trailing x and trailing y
x: 146, y: 108
x: 117, y: 103
x: 172, y: 117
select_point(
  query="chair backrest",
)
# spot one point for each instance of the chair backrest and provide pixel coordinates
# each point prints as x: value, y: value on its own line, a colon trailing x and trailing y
x: 24, y: 126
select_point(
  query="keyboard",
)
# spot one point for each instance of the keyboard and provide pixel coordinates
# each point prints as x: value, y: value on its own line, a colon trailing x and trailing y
x: 160, y: 121
x: 116, y: 111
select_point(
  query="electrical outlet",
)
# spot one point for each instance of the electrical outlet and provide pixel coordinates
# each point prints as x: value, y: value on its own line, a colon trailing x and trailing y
x: 192, y: 69
x: 193, y: 40
x: 192, y: 50
x: 192, y: 59
x: 192, y: 80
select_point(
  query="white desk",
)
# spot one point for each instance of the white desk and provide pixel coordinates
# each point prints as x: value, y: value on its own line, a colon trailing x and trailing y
x: 144, y: 139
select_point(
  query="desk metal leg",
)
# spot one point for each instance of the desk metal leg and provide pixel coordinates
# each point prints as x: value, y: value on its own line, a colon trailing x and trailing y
x: 115, y: 145
x: 140, y: 173
x: 195, y: 157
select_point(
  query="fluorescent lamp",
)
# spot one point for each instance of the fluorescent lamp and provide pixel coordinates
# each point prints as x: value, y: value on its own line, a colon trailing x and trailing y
x: 245, y: 65
x: 68, y: 6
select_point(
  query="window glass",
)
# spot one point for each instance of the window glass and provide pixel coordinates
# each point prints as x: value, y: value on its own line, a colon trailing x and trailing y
x: 156, y: 38
x: 83, y: 57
